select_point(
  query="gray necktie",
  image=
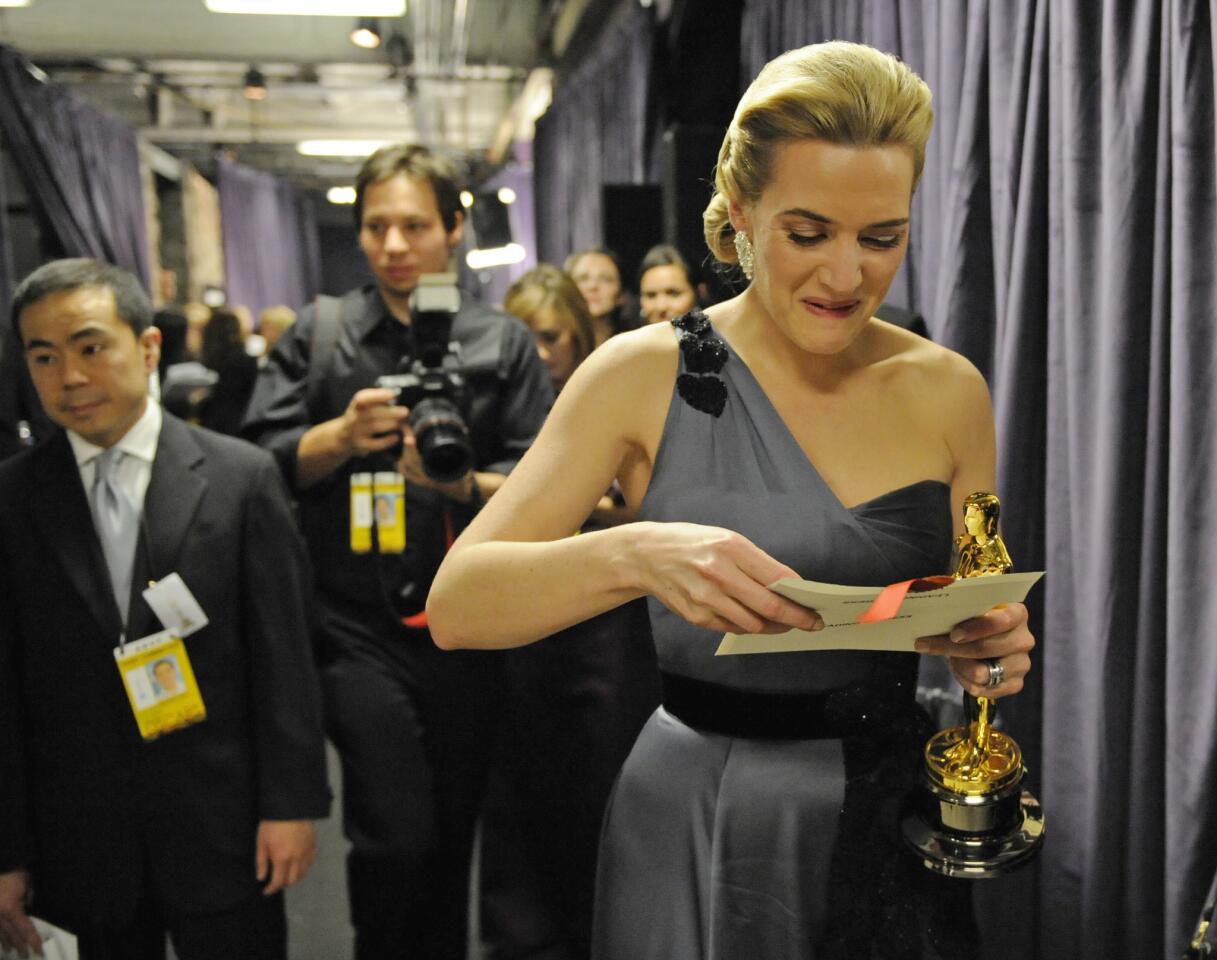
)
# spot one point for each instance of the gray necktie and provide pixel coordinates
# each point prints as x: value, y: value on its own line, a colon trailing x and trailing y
x: 117, y: 523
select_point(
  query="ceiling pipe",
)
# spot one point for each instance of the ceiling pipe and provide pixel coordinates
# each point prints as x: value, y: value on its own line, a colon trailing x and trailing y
x: 461, y: 20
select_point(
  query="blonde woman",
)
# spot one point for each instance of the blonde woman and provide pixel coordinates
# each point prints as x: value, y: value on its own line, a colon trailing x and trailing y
x: 786, y: 432
x: 552, y: 308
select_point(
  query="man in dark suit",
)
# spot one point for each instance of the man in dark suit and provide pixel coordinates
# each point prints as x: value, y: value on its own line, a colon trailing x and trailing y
x: 196, y: 832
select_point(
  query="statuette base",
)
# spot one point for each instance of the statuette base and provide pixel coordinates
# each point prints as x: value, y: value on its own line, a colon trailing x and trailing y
x: 974, y: 836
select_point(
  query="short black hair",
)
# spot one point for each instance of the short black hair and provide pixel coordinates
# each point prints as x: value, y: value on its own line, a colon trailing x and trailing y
x: 60, y: 276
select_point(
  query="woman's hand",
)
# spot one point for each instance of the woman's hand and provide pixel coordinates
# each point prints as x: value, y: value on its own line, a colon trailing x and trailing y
x: 1002, y: 635
x: 717, y: 579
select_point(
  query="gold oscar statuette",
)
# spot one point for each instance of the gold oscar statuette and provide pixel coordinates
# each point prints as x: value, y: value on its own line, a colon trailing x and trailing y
x: 970, y: 815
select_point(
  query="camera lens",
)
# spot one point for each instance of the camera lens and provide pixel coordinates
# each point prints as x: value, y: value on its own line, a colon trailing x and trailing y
x: 443, y: 440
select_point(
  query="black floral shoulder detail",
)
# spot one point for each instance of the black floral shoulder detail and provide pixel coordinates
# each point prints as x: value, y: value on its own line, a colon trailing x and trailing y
x: 705, y: 354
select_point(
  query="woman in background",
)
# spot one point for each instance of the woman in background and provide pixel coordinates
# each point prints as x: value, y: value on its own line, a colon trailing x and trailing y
x: 666, y: 288
x: 273, y: 323
x: 552, y: 307
x: 597, y: 273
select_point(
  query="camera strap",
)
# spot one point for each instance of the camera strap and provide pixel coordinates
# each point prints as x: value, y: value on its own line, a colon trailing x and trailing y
x: 418, y: 621
x: 327, y: 327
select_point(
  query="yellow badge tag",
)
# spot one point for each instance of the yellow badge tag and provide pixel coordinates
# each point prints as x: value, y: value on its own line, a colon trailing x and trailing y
x: 160, y: 684
x: 389, y: 495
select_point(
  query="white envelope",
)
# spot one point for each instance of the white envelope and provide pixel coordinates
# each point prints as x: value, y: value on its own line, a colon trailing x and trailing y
x: 922, y: 614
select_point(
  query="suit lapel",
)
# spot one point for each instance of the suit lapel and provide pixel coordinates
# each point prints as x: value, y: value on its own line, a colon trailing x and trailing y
x: 61, y: 512
x: 173, y: 498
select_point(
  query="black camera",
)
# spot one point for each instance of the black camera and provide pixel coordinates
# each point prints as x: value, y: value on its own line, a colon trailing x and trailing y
x: 432, y: 383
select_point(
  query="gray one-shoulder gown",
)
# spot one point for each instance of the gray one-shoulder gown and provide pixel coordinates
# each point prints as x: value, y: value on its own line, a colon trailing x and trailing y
x: 732, y: 848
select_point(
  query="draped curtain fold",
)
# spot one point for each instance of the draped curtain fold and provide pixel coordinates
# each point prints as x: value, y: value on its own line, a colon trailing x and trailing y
x: 1183, y: 415
x: 81, y: 171
x: 271, y: 247
x: 12, y: 366
x: 1064, y: 239
x: 595, y: 133
x: 80, y: 167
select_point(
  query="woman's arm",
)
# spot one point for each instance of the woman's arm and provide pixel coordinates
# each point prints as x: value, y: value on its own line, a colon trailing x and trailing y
x: 517, y: 574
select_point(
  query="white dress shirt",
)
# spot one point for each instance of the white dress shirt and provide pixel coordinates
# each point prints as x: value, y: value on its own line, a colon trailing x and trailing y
x: 139, y: 444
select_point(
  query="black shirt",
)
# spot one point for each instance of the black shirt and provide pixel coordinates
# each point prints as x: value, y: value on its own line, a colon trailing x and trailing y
x: 508, y: 395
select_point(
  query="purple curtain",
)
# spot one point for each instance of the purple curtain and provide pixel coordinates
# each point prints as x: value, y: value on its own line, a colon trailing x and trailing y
x: 595, y: 133
x: 81, y: 171
x: 13, y: 399
x: 1065, y: 235
x: 271, y: 247
x: 80, y: 168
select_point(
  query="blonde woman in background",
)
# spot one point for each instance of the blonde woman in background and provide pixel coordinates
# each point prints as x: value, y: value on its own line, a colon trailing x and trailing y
x: 272, y: 322
x: 554, y: 310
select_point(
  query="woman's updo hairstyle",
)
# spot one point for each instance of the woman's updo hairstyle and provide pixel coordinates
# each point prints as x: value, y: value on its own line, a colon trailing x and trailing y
x: 838, y: 92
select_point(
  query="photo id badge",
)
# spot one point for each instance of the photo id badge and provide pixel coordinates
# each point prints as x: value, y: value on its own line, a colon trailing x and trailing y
x: 389, y: 497
x: 160, y: 684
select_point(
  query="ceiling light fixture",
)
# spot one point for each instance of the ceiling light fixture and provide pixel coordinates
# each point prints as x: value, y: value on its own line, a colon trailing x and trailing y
x: 506, y: 195
x: 339, y: 148
x: 466, y: 199
x: 255, y: 84
x: 341, y: 195
x: 495, y: 256
x: 311, y: 8
x: 14, y: 3
x: 366, y: 33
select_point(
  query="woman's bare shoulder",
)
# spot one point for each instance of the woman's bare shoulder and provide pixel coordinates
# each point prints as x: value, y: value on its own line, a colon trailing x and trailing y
x: 628, y: 367
x: 935, y: 386
x: 654, y: 343
x: 929, y: 368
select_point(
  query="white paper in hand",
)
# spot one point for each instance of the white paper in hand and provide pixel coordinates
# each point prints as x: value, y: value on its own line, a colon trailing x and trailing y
x: 921, y: 614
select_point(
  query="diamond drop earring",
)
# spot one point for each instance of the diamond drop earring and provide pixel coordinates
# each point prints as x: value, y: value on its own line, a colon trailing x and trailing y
x: 743, y: 251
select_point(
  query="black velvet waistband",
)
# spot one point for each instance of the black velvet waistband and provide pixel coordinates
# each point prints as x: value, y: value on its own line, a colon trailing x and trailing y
x: 715, y: 708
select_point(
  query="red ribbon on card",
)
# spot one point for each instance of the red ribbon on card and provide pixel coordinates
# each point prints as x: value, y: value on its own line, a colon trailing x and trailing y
x: 887, y: 604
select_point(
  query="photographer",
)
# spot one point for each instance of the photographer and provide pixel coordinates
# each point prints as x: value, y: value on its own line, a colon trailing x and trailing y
x: 412, y: 725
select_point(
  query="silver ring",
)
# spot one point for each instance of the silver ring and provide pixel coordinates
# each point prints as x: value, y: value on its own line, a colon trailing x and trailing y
x: 997, y: 673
